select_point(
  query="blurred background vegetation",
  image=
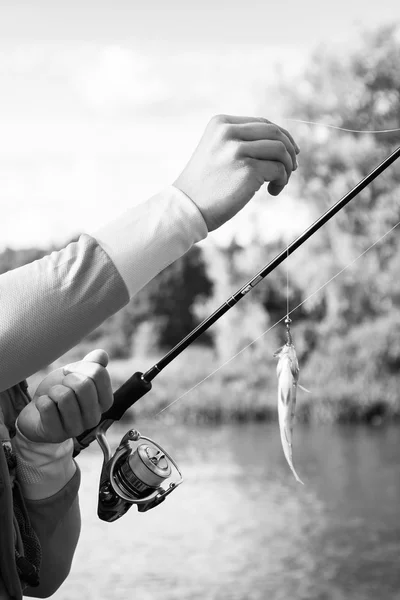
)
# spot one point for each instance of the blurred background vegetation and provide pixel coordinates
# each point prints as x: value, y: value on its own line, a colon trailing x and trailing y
x: 346, y: 334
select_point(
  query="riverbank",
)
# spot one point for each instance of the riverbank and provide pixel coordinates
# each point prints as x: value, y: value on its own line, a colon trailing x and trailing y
x: 196, y: 389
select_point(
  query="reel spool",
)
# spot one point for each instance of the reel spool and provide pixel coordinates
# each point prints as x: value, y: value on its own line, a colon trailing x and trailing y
x: 143, y: 476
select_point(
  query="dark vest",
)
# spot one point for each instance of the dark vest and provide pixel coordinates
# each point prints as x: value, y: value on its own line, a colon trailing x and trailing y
x: 19, y: 546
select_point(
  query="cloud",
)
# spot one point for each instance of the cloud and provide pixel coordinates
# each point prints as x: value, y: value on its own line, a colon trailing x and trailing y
x: 89, y: 129
x: 118, y: 78
x: 80, y: 82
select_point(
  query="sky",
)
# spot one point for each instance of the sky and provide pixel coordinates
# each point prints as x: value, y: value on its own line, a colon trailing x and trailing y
x: 103, y: 102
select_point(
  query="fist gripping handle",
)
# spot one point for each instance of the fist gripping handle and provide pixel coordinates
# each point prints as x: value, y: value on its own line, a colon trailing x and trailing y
x: 130, y: 392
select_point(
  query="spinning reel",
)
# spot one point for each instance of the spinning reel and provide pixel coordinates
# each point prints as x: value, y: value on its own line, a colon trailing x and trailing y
x: 143, y: 476
x: 136, y: 477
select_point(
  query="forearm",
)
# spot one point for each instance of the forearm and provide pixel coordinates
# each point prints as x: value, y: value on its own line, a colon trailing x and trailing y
x: 57, y: 522
x: 65, y: 296
x: 165, y: 226
x: 43, y: 469
x: 50, y: 305
x: 49, y: 480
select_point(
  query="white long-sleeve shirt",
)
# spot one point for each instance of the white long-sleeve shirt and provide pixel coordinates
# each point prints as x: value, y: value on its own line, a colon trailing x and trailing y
x: 51, y: 304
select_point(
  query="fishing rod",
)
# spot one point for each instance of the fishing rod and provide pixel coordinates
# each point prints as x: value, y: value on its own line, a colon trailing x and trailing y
x: 146, y: 475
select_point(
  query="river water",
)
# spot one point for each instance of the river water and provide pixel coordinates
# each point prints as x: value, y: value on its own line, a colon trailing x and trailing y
x: 241, y: 528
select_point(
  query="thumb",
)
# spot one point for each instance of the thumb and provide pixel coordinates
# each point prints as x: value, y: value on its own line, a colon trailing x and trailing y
x: 97, y: 356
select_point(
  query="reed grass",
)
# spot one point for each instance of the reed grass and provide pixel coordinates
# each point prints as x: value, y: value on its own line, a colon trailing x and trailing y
x: 347, y: 385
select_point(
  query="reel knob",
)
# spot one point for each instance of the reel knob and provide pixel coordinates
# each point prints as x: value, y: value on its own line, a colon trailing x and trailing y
x: 144, y: 471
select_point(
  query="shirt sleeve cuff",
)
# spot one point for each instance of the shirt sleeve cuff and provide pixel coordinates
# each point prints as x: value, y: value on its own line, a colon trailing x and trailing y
x: 42, y: 469
x: 150, y: 236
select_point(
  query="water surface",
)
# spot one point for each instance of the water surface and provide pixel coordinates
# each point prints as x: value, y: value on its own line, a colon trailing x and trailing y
x: 241, y: 528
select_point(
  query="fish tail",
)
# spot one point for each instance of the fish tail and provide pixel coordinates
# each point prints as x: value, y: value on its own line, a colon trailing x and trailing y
x: 287, y: 450
x: 296, y: 476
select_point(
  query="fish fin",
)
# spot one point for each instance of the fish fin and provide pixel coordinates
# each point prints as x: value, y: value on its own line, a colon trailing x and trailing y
x: 298, y: 478
x: 277, y: 352
x: 290, y: 462
x: 303, y: 388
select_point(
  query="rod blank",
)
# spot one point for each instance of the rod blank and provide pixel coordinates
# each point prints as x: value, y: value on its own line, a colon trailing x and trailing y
x: 139, y: 384
x: 157, y: 368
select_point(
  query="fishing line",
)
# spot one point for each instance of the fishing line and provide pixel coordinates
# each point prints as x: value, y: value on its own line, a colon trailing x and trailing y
x: 287, y: 283
x: 280, y: 320
x: 342, y: 128
x: 288, y: 312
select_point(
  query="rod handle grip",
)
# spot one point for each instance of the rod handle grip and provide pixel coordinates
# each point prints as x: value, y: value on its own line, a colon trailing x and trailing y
x: 130, y: 392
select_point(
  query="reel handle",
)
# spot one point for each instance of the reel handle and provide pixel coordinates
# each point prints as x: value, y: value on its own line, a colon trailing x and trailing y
x: 130, y: 392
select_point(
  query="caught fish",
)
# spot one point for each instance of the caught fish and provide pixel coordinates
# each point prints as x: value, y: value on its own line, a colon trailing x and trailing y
x: 288, y: 375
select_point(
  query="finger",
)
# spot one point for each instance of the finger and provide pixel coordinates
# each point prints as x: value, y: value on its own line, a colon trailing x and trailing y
x: 274, y: 189
x: 86, y: 397
x: 245, y: 120
x: 269, y: 150
x: 49, y: 420
x: 97, y: 356
x: 274, y: 172
x: 264, y: 131
x: 235, y: 120
x: 68, y: 409
x: 93, y: 366
x: 291, y: 138
x: 285, y: 132
x: 100, y: 377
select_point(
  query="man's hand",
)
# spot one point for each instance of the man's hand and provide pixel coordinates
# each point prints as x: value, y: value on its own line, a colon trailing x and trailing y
x: 235, y: 156
x: 68, y: 401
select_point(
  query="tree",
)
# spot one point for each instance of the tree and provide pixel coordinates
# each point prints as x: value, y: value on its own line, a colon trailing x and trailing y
x: 170, y: 300
x: 12, y: 259
x: 360, y: 90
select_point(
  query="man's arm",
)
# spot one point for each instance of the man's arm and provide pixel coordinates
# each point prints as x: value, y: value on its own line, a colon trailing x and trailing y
x: 50, y: 305
x: 66, y: 402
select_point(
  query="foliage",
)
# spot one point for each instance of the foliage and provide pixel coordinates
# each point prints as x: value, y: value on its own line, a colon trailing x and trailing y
x: 12, y: 259
x: 172, y: 297
x: 165, y: 309
x: 352, y: 359
x: 168, y: 302
x: 345, y: 281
